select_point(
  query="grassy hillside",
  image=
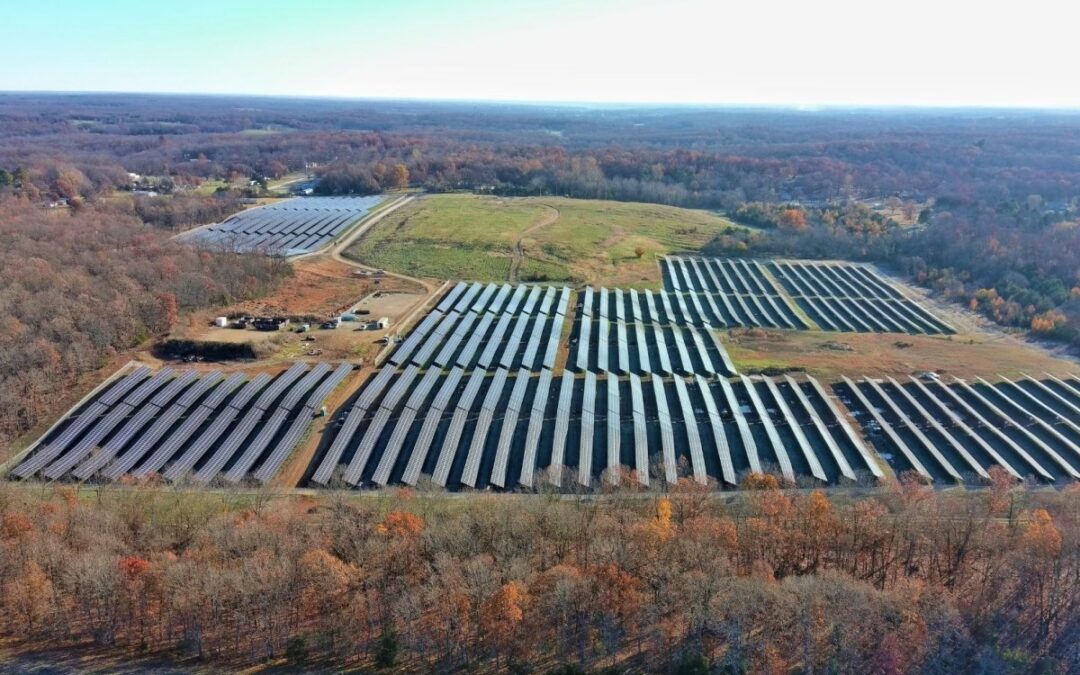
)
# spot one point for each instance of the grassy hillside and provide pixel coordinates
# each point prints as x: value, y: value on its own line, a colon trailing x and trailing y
x: 479, y: 237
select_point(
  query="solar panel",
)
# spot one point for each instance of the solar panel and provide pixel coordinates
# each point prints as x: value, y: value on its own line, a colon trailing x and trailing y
x: 532, y: 299
x: 285, y: 380
x: 587, y: 302
x: 669, y: 313
x: 150, y: 437
x: 515, y: 300
x: 588, y: 419
x: 135, y: 424
x: 457, y: 427
x: 624, y: 348
x: 413, y: 405
x: 672, y: 275
x: 957, y: 422
x: 103, y: 427
x: 926, y: 443
x: 1002, y: 436
x: 716, y: 424
x: 427, y: 349
x: 300, y: 424
x: 662, y: 350
x: 583, y: 343
x: 702, y: 351
x: 549, y: 298
x: 220, y: 423
x: 667, y: 434
x: 816, y: 470
x: 819, y: 425
x: 644, y: 364
x: 488, y: 407
x: 635, y: 305
x: 562, y: 426
x: 450, y: 347
x: 513, y: 411
x: 451, y: 297
x: 743, y: 426
x: 466, y: 300
x: 770, y: 430
x: 620, y: 307
x: 477, y: 335
x: 406, y: 348
x: 509, y: 353
x: 536, y: 422
x: 641, y: 440
x: 650, y: 305
x: 884, y: 425
x: 269, y: 428
x: 564, y: 301
x: 194, y: 420
x: 1027, y: 413
x: 431, y: 423
x: 371, y: 435
x: 614, y: 429
x: 484, y: 298
x: 528, y: 359
x: 603, y: 303
x: 680, y: 348
x: 957, y: 447
x: 553, y: 340
x: 693, y: 438
x: 487, y: 357
x: 602, y: 362
x: 688, y: 316
x: 355, y: 469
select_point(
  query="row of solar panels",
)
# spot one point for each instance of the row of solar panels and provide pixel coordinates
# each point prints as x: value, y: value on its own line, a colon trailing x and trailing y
x: 735, y: 276
x: 486, y: 326
x: 851, y: 298
x: 683, y: 308
x: 500, y: 429
x: 721, y: 308
x: 179, y: 423
x: 602, y: 344
x: 290, y: 227
x: 957, y: 432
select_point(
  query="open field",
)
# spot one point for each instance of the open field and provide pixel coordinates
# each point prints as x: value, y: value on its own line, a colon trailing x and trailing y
x: 477, y: 237
x: 831, y: 354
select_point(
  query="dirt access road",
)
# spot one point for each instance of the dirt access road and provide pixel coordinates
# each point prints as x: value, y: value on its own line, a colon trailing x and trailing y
x: 519, y: 245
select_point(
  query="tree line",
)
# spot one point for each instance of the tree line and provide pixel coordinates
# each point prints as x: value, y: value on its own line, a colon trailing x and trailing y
x: 907, y: 580
x: 80, y: 286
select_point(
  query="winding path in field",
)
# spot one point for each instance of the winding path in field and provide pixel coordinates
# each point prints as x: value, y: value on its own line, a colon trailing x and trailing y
x: 519, y: 245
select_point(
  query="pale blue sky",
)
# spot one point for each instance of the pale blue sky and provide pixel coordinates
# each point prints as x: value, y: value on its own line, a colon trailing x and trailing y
x: 808, y: 52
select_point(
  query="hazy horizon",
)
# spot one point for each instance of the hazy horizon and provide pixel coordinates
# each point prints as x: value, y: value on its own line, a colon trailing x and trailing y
x: 838, y: 53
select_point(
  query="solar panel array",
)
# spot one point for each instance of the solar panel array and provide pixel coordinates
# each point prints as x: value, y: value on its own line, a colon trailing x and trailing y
x: 956, y: 432
x: 726, y: 293
x: 509, y: 429
x: 849, y: 297
x: 489, y: 326
x: 289, y: 227
x: 469, y: 366
x: 643, y: 332
x: 186, y: 423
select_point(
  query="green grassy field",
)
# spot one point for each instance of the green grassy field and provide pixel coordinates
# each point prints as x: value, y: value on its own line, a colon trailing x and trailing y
x: 474, y: 237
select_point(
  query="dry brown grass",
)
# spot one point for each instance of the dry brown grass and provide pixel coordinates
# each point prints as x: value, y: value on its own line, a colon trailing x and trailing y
x: 832, y: 354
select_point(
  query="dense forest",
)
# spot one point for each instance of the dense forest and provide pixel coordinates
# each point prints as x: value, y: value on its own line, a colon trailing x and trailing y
x: 906, y: 581
x: 79, y: 286
x: 991, y: 197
